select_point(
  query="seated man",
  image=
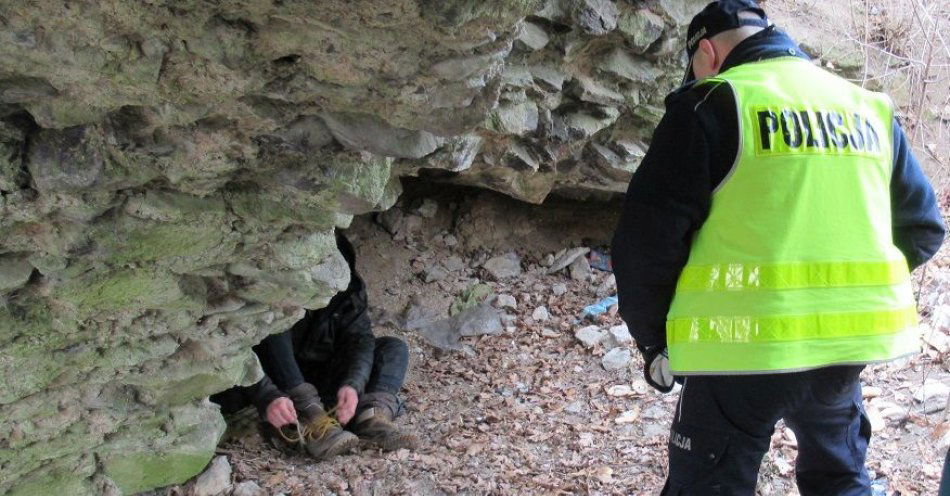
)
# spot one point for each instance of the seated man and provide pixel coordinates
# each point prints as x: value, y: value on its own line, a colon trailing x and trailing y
x: 329, y: 359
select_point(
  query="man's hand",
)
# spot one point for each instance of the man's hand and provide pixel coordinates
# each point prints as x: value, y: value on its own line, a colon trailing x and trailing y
x: 346, y: 400
x: 281, y: 412
x: 656, y: 368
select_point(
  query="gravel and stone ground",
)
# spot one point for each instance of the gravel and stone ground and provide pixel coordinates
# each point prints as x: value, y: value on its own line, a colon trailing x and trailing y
x: 531, y: 409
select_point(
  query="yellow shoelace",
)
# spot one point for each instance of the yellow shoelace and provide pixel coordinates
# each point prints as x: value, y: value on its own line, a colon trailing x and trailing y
x: 315, y: 429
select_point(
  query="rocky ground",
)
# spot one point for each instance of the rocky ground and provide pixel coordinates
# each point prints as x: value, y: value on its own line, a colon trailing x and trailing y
x: 550, y: 401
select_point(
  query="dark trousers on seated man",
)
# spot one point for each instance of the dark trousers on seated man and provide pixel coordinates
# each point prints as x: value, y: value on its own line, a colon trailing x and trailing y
x: 330, y: 360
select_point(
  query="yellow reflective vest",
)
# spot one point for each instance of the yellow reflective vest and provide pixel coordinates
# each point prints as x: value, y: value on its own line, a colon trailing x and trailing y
x: 795, y: 267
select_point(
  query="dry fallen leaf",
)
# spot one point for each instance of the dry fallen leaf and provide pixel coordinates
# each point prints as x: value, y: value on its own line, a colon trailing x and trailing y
x: 628, y: 417
x: 604, y: 474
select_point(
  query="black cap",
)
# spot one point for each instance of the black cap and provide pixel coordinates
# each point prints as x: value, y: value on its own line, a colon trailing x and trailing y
x: 717, y: 17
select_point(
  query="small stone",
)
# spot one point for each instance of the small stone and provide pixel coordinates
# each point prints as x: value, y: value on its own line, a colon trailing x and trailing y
x: 655, y: 430
x: 434, y: 273
x: 608, y: 287
x: 620, y: 64
x: 549, y: 78
x: 15, y: 271
x: 453, y: 264
x: 936, y: 339
x: 533, y: 36
x: 641, y: 28
x: 620, y: 335
x: 411, y: 224
x: 576, y: 407
x: 520, y: 158
x: 550, y: 333
x: 459, y: 152
x: 68, y: 159
x: 391, y: 220
x: 585, y: 122
x: 540, y: 314
x: 931, y: 389
x: 580, y: 269
x: 628, y: 416
x: 517, y: 119
x: 450, y: 240
x: 620, y: 391
x: 559, y: 289
x: 590, y: 336
x: 655, y: 412
x: 478, y: 321
x: 893, y: 412
x: 616, y: 359
x: 215, y: 480
x: 428, y: 209
x: 506, y: 301
x: 596, y: 17
x: 503, y: 266
x: 517, y: 76
x: 248, y: 488
x: 589, y: 90
x: 639, y: 384
x: 565, y: 258
x: 548, y: 260
x: 875, y: 418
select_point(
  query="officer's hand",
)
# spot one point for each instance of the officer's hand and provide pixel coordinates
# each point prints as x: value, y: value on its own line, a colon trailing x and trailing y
x: 280, y: 412
x: 656, y: 369
x: 346, y: 400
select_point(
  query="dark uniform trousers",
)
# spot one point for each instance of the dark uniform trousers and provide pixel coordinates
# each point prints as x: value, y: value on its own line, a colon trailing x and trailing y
x: 945, y: 480
x: 723, y: 425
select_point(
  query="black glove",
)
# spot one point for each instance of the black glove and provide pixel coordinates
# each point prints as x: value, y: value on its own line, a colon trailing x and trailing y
x: 656, y: 368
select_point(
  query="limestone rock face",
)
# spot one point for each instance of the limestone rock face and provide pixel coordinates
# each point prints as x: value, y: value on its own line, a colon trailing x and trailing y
x: 171, y: 173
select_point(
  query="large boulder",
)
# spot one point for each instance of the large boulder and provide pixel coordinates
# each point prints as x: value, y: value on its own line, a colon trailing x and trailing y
x: 171, y: 173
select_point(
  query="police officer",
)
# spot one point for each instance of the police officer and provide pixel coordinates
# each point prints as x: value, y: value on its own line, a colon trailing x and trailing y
x: 763, y: 256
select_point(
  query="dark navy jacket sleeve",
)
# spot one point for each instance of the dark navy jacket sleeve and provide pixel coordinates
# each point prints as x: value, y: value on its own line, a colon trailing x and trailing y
x: 667, y: 200
x: 918, y: 227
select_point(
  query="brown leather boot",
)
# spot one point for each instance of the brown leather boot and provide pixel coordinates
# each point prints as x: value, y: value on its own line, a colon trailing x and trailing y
x: 320, y: 434
x: 373, y: 423
x: 325, y: 438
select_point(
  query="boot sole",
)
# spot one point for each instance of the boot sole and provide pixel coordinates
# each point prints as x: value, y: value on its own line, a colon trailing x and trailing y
x: 337, y: 449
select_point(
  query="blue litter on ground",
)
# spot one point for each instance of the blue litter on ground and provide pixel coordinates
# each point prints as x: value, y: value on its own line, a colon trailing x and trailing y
x: 600, y: 307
